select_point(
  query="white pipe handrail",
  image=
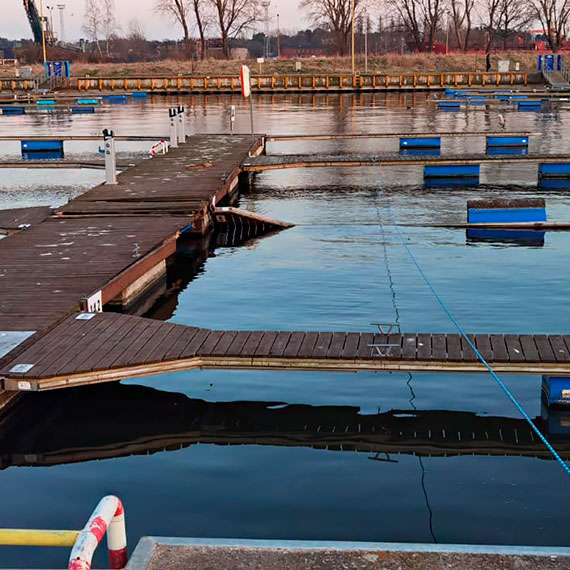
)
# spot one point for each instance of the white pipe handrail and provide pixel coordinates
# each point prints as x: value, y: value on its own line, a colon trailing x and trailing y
x: 108, y: 517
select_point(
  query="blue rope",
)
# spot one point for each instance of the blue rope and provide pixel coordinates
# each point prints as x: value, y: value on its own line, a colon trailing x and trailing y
x: 479, y: 355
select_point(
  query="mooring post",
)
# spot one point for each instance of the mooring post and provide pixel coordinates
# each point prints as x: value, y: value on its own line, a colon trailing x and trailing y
x: 232, y: 118
x: 173, y: 128
x: 110, y: 157
x: 181, y: 124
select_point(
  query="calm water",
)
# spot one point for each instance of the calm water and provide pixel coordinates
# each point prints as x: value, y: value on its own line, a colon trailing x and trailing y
x: 340, y: 268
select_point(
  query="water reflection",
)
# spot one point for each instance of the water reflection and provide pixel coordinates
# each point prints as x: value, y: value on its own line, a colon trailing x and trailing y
x: 114, y: 420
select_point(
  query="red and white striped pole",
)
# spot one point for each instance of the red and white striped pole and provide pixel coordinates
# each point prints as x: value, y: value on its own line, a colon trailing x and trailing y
x: 108, y: 517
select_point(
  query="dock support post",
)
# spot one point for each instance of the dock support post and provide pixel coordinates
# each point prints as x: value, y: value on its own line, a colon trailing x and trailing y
x: 181, y: 124
x: 173, y: 128
x: 110, y: 157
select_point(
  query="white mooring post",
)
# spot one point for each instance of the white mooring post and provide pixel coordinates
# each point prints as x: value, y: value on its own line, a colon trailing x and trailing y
x: 181, y: 124
x: 110, y: 157
x: 232, y: 118
x: 173, y: 128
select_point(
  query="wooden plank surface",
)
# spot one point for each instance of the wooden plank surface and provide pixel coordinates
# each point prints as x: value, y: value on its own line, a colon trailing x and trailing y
x: 529, y: 348
x: 499, y: 348
x: 109, y: 341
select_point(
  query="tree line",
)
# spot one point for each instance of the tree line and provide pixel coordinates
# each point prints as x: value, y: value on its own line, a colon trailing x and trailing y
x: 419, y: 23
x: 422, y: 20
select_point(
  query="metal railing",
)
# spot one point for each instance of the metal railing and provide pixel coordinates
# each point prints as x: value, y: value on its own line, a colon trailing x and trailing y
x: 107, y: 518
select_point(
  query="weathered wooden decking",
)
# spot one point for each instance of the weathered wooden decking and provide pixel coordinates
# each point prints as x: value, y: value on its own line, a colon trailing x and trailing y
x: 101, y: 347
x: 113, y: 240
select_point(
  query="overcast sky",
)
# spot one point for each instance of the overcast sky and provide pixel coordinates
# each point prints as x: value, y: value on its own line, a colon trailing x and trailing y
x: 14, y: 24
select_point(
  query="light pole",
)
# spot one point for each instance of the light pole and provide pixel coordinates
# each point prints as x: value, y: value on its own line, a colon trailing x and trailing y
x: 42, y: 19
x: 352, y: 33
x: 61, y: 8
x: 447, y: 33
x: 366, y: 45
x: 278, y: 40
x: 50, y: 8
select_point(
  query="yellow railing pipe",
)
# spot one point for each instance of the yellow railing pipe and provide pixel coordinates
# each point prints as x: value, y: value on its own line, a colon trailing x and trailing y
x: 25, y: 537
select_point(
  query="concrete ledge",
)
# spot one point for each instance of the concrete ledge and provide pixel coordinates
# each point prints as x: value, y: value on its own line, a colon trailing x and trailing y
x: 153, y: 553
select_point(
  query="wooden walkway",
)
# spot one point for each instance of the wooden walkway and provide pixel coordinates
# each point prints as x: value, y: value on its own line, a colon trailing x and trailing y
x: 112, y: 420
x: 277, y: 162
x: 101, y: 347
x: 112, y: 243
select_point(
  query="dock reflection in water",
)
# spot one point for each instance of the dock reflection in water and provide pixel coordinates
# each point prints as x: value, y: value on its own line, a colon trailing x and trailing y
x: 115, y: 420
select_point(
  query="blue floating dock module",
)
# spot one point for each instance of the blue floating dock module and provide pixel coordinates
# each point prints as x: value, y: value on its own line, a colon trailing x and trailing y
x: 529, y: 105
x: 449, y: 105
x: 450, y: 92
x: 82, y: 110
x: 506, y: 211
x: 512, y: 237
x: 557, y: 418
x: 451, y: 182
x: 512, y: 150
x: 43, y: 155
x: 14, y: 110
x: 507, y: 141
x: 420, y: 152
x: 556, y: 390
x: 424, y: 142
x: 518, y: 97
x: 46, y: 102
x: 87, y: 101
x: 554, y: 170
x: 139, y: 94
x: 503, y: 97
x: 554, y: 183
x: 32, y: 146
x: 452, y: 171
x: 113, y: 97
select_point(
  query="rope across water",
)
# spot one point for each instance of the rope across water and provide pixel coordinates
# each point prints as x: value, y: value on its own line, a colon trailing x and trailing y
x: 457, y: 325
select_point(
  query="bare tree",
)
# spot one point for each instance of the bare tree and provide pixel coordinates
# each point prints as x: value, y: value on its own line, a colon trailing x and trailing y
x: 109, y: 22
x: 491, y: 9
x: 136, y: 37
x: 93, y: 22
x: 335, y: 15
x: 554, y: 16
x: 462, y: 14
x: 179, y: 10
x: 201, y: 18
x: 234, y: 17
x: 513, y: 16
x: 420, y: 19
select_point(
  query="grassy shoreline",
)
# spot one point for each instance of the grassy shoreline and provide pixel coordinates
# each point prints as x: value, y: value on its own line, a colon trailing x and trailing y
x: 390, y: 63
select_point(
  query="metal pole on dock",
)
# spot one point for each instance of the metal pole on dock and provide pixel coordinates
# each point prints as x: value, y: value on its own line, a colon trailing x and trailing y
x: 251, y: 116
x: 232, y: 118
x: 173, y: 128
x: 110, y: 157
x: 181, y: 124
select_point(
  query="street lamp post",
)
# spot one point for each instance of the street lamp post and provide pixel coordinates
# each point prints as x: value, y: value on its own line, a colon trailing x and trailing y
x: 278, y: 39
x: 352, y: 33
x: 43, y: 31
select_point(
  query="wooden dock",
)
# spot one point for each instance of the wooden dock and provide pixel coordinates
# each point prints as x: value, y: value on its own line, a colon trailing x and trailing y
x: 278, y: 162
x: 101, y: 347
x: 112, y: 242
x: 288, y: 82
x: 110, y: 245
